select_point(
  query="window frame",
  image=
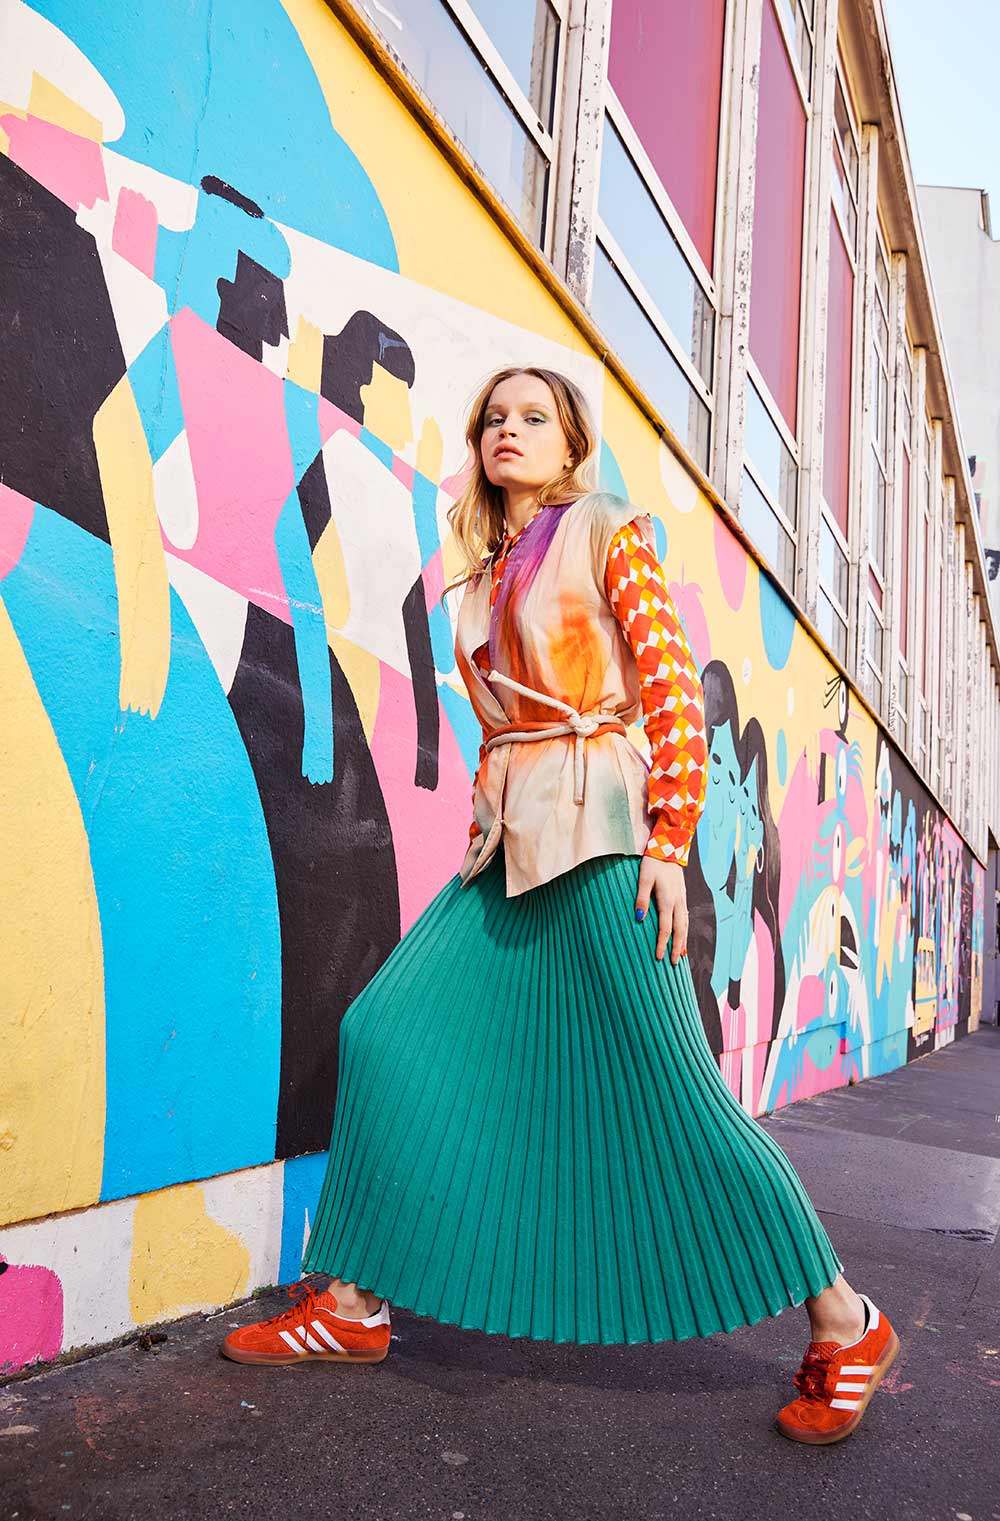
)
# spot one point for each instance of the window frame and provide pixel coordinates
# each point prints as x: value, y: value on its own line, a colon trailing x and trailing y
x: 840, y: 611
x: 752, y: 373
x: 878, y: 455
x: 499, y: 76
x: 614, y: 112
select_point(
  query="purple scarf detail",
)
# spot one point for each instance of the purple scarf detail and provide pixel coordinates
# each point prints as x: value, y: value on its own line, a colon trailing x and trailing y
x: 523, y: 565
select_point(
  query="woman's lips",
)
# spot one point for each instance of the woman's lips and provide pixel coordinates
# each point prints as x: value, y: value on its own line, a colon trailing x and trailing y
x: 507, y: 450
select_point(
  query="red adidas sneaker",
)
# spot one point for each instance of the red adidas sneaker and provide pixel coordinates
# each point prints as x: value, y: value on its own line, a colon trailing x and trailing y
x: 311, y: 1331
x: 836, y: 1383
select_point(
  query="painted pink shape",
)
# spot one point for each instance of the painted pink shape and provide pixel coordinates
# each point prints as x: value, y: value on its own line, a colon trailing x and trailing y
x: 135, y: 230
x: 731, y: 559
x: 433, y: 579
x: 71, y: 167
x: 429, y: 829
x: 796, y: 831
x: 332, y: 419
x: 16, y: 516
x: 403, y: 472
x: 31, y: 1317
x: 456, y: 484
x: 811, y: 1000
x: 686, y: 597
x: 817, y: 1080
x: 234, y: 414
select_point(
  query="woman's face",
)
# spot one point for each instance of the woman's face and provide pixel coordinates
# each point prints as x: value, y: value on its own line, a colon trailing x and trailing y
x: 523, y: 446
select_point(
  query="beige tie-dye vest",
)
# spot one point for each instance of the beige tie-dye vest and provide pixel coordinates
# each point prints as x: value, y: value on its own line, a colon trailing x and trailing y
x: 559, y: 800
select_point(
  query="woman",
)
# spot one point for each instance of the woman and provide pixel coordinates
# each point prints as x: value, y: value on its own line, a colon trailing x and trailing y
x: 531, y: 1134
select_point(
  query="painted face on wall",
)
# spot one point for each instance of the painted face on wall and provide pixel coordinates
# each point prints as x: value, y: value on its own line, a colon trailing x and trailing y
x: 717, y: 829
x: 523, y: 446
x: 751, y: 835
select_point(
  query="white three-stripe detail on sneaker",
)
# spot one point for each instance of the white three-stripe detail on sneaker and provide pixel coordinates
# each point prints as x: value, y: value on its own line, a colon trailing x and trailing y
x: 846, y: 1387
x: 287, y: 1336
x: 844, y: 1404
x: 331, y: 1341
x: 311, y: 1342
x: 855, y: 1368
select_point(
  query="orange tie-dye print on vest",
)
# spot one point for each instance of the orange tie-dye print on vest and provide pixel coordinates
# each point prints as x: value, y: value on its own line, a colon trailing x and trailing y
x: 553, y: 630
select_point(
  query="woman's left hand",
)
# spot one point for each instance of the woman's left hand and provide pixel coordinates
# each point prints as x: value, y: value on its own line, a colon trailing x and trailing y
x: 664, y: 881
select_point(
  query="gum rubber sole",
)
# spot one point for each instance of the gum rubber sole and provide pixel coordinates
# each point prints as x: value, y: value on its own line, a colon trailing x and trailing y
x: 280, y: 1360
x: 825, y: 1438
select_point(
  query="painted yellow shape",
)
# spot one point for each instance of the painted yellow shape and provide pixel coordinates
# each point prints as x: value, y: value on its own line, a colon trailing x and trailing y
x: 430, y: 450
x: 49, y: 103
x: 386, y: 401
x: 364, y: 678
x: 182, y: 1259
x: 305, y: 355
x: 52, y: 1086
x: 331, y: 577
x: 137, y: 549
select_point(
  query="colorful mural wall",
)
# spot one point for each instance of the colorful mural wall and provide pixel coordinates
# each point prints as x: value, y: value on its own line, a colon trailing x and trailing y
x: 236, y: 755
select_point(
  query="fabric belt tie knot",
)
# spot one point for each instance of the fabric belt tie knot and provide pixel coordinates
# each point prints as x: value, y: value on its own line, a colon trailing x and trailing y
x: 582, y: 726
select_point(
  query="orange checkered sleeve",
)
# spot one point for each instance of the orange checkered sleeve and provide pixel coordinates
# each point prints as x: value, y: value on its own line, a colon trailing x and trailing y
x: 673, y: 702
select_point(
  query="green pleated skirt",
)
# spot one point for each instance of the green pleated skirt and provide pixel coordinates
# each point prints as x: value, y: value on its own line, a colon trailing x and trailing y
x: 532, y: 1136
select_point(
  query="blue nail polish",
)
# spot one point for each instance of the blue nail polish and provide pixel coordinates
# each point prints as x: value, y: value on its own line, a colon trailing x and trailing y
x: 640, y: 914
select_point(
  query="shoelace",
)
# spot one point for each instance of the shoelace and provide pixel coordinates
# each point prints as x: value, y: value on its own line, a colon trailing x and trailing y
x: 303, y: 1303
x: 811, y: 1377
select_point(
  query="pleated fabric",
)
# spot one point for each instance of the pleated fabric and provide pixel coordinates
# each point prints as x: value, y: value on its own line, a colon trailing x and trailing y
x: 532, y: 1136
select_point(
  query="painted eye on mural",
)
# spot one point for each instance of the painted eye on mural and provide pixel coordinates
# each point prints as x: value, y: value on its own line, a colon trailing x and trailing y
x: 831, y: 993
x: 842, y: 771
x: 838, y: 850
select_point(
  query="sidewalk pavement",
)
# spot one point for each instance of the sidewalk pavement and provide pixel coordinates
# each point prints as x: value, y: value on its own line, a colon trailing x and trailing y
x: 905, y: 1171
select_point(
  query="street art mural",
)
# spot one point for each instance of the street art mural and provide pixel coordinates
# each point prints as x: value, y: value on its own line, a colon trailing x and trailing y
x: 240, y: 758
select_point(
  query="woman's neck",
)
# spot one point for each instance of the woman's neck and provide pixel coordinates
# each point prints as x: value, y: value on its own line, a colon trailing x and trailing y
x: 519, y: 507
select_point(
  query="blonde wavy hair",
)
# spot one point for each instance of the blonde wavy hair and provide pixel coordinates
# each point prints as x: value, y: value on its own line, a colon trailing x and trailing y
x: 477, y: 517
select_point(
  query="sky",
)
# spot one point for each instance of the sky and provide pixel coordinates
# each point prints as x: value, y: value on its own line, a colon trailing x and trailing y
x: 944, y: 58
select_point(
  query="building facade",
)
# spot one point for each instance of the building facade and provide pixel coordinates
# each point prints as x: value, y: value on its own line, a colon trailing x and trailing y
x: 260, y: 255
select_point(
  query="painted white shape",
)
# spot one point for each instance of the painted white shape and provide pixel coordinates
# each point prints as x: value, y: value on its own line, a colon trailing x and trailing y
x: 177, y: 493
x: 249, y: 1204
x: 30, y: 43
x: 139, y: 304
x: 790, y: 701
x: 175, y: 200
x: 680, y: 487
x: 374, y: 516
x: 747, y: 671
x: 91, y: 1252
x: 217, y: 612
x: 274, y: 356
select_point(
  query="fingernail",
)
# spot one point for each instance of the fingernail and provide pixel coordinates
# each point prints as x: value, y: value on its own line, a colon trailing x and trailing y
x: 640, y: 914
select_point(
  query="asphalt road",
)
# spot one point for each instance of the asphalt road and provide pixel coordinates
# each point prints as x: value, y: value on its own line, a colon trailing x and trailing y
x: 905, y: 1171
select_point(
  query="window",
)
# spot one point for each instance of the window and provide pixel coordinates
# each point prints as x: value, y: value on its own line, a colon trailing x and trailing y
x: 653, y: 293
x: 665, y: 69
x: 906, y: 380
x: 922, y: 711
x: 798, y: 18
x: 846, y: 164
x: 877, y: 480
x: 493, y: 73
x: 769, y: 499
x: 835, y: 509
